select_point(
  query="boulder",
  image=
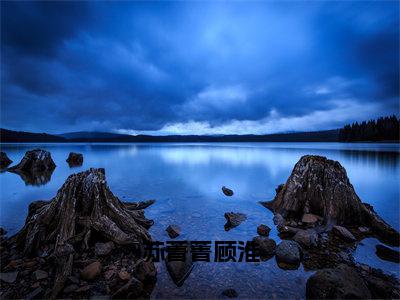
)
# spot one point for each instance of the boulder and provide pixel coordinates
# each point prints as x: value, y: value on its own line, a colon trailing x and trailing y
x: 342, y: 282
x: 75, y: 159
x: 263, y: 230
x: 4, y: 160
x: 320, y: 186
x: 266, y: 245
x: 173, y: 231
x: 103, y: 249
x: 343, y: 233
x: 91, y: 271
x: 35, y: 161
x: 388, y: 254
x: 227, y: 192
x: 287, y: 230
x: 306, y: 238
x: 288, y: 252
x: 233, y: 220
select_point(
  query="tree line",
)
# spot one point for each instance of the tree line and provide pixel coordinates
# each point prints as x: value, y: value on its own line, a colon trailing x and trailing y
x: 382, y: 129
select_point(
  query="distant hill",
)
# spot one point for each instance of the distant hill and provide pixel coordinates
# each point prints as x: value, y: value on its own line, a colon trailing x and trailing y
x: 92, y: 135
x: 8, y: 136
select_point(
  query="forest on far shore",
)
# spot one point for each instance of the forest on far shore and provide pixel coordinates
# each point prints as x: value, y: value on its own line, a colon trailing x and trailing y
x: 382, y: 129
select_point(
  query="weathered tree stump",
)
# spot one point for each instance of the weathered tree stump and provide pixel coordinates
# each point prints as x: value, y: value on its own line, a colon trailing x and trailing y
x: 320, y: 186
x: 83, y: 209
x: 35, y: 161
x: 75, y: 159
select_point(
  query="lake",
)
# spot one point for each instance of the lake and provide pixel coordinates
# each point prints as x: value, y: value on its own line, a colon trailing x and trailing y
x: 186, y: 180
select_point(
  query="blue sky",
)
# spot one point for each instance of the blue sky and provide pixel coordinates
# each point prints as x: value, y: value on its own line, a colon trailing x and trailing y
x: 197, y: 67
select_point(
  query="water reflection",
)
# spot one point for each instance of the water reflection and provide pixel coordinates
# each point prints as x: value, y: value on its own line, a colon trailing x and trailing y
x: 36, y: 178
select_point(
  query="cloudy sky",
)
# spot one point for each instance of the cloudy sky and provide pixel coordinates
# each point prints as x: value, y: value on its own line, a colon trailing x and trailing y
x: 197, y: 67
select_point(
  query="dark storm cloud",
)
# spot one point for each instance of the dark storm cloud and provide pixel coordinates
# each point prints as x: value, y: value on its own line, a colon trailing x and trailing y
x: 197, y: 67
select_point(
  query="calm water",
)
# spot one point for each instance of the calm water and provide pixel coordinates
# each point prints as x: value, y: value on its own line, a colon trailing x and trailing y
x: 186, y: 181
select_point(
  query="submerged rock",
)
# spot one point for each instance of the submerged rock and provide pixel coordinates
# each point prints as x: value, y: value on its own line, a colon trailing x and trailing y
x: 75, y: 159
x: 342, y: 282
x: 233, y: 220
x: 386, y: 253
x: 173, y: 231
x: 180, y: 270
x: 230, y: 293
x: 320, y: 186
x: 227, y: 192
x: 4, y: 160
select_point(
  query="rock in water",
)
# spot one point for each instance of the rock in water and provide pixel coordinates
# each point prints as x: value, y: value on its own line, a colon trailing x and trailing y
x: 75, y: 159
x: 266, y: 246
x: 387, y: 254
x: 320, y: 186
x: 173, y: 231
x: 288, y: 252
x: 227, y: 192
x: 307, y: 238
x: 233, y: 220
x: 340, y: 283
x: 4, y: 160
x: 83, y: 210
x: 263, y: 230
x: 35, y: 161
x: 230, y: 293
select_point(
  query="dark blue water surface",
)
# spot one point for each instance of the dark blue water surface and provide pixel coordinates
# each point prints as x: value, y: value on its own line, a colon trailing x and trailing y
x: 186, y: 181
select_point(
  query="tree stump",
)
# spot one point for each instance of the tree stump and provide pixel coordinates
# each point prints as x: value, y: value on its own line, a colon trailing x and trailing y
x: 35, y: 161
x: 83, y: 209
x: 4, y: 160
x: 75, y: 159
x: 320, y: 186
